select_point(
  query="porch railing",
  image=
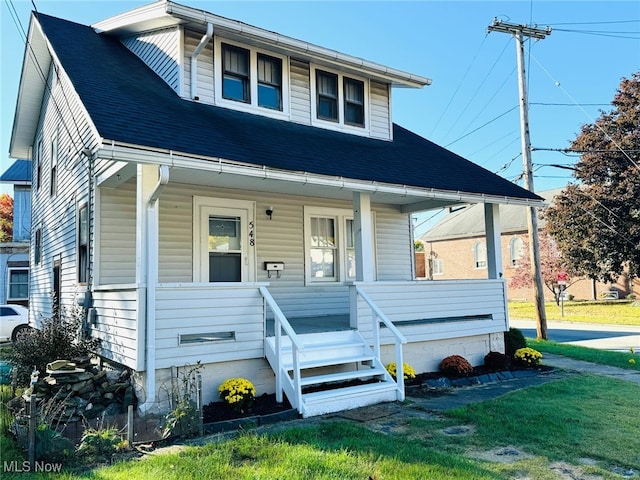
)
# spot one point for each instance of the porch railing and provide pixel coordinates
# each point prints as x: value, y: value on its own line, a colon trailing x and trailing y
x: 281, y: 323
x: 378, y: 316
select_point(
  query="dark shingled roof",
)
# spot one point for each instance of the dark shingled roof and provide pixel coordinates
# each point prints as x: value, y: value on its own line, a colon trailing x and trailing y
x: 18, y: 172
x: 129, y: 103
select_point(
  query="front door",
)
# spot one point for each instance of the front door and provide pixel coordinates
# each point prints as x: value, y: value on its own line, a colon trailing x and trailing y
x: 224, y: 241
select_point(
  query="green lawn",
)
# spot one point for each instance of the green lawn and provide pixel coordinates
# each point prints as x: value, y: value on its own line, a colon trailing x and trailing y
x: 617, y: 313
x: 578, y: 417
x: 628, y: 360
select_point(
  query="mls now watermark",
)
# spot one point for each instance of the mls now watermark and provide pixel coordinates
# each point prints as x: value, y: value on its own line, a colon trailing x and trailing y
x: 24, y: 467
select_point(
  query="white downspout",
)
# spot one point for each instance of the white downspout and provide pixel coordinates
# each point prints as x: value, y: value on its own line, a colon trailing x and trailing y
x: 152, y: 280
x: 194, y: 60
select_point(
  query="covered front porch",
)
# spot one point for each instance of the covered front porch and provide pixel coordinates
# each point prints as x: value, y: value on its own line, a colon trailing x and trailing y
x: 344, y: 252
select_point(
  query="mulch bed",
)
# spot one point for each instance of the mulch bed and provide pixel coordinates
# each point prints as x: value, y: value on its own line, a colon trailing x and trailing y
x: 262, y: 405
x: 266, y: 404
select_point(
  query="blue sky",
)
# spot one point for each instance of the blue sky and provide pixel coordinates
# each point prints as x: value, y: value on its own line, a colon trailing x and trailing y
x: 472, y: 105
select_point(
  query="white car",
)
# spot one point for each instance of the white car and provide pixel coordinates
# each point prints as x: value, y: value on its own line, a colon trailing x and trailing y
x: 13, y: 320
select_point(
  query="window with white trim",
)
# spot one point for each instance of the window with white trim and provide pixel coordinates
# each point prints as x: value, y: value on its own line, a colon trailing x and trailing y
x: 18, y: 284
x: 330, y: 249
x: 515, y: 251
x: 37, y: 164
x: 54, y: 167
x: 437, y: 266
x: 249, y: 79
x: 340, y: 100
x: 37, y: 250
x: 480, y: 255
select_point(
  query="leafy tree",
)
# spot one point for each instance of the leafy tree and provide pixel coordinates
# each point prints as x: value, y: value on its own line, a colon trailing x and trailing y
x: 596, y: 221
x: 6, y: 218
x: 551, y: 263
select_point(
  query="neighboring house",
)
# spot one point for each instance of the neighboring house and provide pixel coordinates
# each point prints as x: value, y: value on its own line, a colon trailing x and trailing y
x: 197, y: 180
x: 456, y: 248
x: 14, y: 255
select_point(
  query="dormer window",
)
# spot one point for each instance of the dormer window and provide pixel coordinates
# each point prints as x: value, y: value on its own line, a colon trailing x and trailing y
x: 353, y: 102
x: 340, y: 101
x: 251, y: 80
x: 236, y: 79
x: 269, y: 82
x: 327, y: 92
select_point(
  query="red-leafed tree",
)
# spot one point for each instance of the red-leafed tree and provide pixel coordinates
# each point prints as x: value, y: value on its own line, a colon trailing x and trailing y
x: 6, y: 218
x: 596, y: 221
x: 551, y: 264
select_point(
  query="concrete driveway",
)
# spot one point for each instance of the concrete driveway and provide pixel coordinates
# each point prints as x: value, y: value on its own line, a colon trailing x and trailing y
x: 607, y: 337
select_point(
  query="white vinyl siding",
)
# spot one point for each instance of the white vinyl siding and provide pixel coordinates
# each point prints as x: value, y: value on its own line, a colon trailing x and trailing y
x: 300, y: 92
x: 479, y: 308
x: 65, y: 119
x: 160, y: 51
x: 117, y: 233
x: 118, y: 325
x: 280, y: 239
x: 380, y: 108
x: 235, y: 309
x: 205, y: 68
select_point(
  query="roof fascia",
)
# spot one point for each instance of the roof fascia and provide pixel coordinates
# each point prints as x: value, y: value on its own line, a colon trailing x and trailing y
x: 119, y: 151
x: 35, y: 63
x: 165, y: 13
x: 35, y: 104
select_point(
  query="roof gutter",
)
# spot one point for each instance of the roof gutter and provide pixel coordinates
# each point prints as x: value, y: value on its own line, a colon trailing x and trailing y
x: 120, y: 151
x: 194, y: 60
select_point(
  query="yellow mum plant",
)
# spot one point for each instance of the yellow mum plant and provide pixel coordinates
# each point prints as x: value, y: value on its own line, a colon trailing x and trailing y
x: 238, y: 393
x: 528, y: 356
x: 408, y: 371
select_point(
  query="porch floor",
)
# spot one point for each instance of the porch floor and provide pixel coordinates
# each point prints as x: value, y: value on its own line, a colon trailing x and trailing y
x: 324, y: 323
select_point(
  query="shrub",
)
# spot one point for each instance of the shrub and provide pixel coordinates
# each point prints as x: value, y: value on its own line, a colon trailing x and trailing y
x: 528, y: 356
x: 456, y: 365
x: 238, y: 393
x: 495, y: 361
x: 58, y: 338
x: 407, y: 370
x: 100, y: 442
x: 513, y: 340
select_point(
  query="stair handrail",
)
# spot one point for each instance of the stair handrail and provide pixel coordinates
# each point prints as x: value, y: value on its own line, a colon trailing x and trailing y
x: 399, y: 339
x: 281, y: 322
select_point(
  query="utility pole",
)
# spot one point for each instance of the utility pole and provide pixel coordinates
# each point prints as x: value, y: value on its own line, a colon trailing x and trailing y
x: 519, y: 32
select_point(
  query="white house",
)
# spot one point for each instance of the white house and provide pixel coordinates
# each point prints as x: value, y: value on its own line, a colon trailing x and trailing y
x: 215, y: 192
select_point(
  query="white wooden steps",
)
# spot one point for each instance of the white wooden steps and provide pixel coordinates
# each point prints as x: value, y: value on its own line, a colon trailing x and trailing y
x: 326, y: 362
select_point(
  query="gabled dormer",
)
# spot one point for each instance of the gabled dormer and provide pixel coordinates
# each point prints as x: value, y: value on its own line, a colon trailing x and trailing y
x: 215, y: 60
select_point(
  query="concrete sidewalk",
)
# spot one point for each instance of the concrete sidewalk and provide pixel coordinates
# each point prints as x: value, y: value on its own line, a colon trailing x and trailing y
x: 570, y: 364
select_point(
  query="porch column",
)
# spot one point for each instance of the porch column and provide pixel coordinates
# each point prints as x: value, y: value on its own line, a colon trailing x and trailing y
x: 494, y: 250
x: 363, y: 232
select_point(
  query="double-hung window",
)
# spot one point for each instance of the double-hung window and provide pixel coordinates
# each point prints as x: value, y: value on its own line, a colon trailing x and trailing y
x: 480, y: 255
x: 54, y: 167
x: 236, y: 81
x: 353, y: 102
x: 330, y: 247
x: 327, y: 95
x: 18, y: 284
x: 269, y: 82
x: 248, y: 79
x: 339, y: 99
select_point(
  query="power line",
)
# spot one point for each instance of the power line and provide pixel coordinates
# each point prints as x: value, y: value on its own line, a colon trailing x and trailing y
x: 459, y: 85
x: 21, y: 31
x: 482, y: 126
x: 597, y: 125
x: 475, y: 94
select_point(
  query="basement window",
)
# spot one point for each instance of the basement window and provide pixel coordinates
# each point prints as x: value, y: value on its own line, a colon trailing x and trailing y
x: 210, y: 337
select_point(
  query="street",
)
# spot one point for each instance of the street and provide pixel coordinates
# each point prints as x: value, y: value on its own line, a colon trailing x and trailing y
x: 607, y: 337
